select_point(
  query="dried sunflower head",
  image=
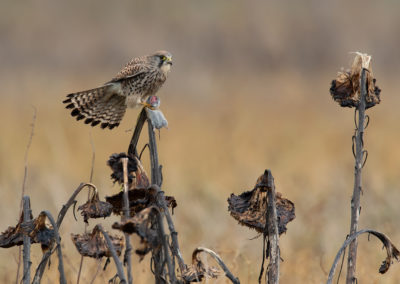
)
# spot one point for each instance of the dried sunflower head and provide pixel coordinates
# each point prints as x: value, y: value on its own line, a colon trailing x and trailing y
x: 114, y: 162
x: 345, y: 89
x: 250, y: 207
x: 94, y: 244
x: 94, y: 208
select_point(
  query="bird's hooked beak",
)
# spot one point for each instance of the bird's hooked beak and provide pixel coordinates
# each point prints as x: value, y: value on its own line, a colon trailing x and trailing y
x: 169, y: 60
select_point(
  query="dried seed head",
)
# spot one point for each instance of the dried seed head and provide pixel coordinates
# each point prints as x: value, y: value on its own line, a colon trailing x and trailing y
x: 250, y: 207
x: 94, y: 208
x: 94, y: 244
x: 139, y: 199
x: 114, y: 162
x: 345, y: 89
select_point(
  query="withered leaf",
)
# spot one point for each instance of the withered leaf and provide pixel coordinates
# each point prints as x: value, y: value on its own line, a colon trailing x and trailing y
x: 196, y: 271
x: 391, y: 250
x: 37, y: 229
x: 171, y: 202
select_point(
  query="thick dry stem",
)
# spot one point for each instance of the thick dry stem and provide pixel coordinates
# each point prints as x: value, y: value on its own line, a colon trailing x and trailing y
x: 156, y: 183
x: 155, y: 167
x: 174, y: 235
x: 27, y: 242
x: 273, y: 235
x: 126, y: 188
x: 271, y: 232
x: 156, y: 180
x: 355, y: 201
x: 128, y: 246
x: 164, y: 239
x: 117, y: 262
x: 132, y: 149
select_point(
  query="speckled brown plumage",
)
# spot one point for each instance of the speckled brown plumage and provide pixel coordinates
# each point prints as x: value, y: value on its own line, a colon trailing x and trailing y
x: 106, y: 105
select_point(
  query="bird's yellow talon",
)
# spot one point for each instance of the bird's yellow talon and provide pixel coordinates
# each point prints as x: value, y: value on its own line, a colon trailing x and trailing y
x: 144, y: 104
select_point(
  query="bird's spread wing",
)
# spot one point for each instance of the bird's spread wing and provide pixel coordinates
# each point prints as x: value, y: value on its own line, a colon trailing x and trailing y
x: 133, y: 68
x: 123, y: 78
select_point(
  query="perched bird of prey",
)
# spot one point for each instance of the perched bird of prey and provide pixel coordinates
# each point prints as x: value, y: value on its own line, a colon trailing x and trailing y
x: 133, y: 85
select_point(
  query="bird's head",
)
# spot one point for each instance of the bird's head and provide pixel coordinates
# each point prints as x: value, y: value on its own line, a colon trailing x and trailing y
x: 163, y: 59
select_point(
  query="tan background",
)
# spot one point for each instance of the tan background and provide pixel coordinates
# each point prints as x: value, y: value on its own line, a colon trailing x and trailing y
x: 249, y: 90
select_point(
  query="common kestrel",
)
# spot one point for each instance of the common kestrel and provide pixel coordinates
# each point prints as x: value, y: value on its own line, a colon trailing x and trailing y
x: 137, y: 81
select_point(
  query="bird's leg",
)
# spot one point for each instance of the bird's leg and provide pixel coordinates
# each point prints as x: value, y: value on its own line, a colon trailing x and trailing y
x: 146, y: 104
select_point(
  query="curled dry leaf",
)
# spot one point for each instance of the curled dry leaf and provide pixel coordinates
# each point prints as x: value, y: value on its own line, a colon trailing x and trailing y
x: 94, y: 244
x: 391, y: 250
x: 42, y: 233
x: 141, y: 224
x: 94, y: 208
x: 139, y: 199
x: 13, y: 236
x: 37, y: 229
x: 345, y: 89
x: 197, y: 270
x: 171, y: 202
x: 249, y: 208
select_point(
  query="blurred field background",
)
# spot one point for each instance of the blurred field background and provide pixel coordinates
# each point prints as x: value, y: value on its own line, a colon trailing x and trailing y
x: 249, y: 90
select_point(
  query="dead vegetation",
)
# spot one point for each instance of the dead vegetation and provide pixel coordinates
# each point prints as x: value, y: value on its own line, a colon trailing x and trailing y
x: 345, y: 89
x: 146, y: 211
x: 356, y: 88
x: 94, y: 244
x: 143, y: 208
x: 249, y: 207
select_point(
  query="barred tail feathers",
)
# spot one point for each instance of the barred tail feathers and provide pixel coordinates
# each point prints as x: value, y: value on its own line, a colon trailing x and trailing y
x: 100, y: 105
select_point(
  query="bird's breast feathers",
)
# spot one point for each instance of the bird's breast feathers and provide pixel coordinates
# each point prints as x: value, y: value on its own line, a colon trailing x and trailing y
x: 165, y: 68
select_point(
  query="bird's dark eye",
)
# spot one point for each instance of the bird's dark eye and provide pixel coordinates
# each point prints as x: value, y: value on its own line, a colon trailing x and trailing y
x: 163, y: 58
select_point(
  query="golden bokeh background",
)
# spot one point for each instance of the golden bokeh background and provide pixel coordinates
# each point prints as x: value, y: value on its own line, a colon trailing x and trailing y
x: 249, y: 90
